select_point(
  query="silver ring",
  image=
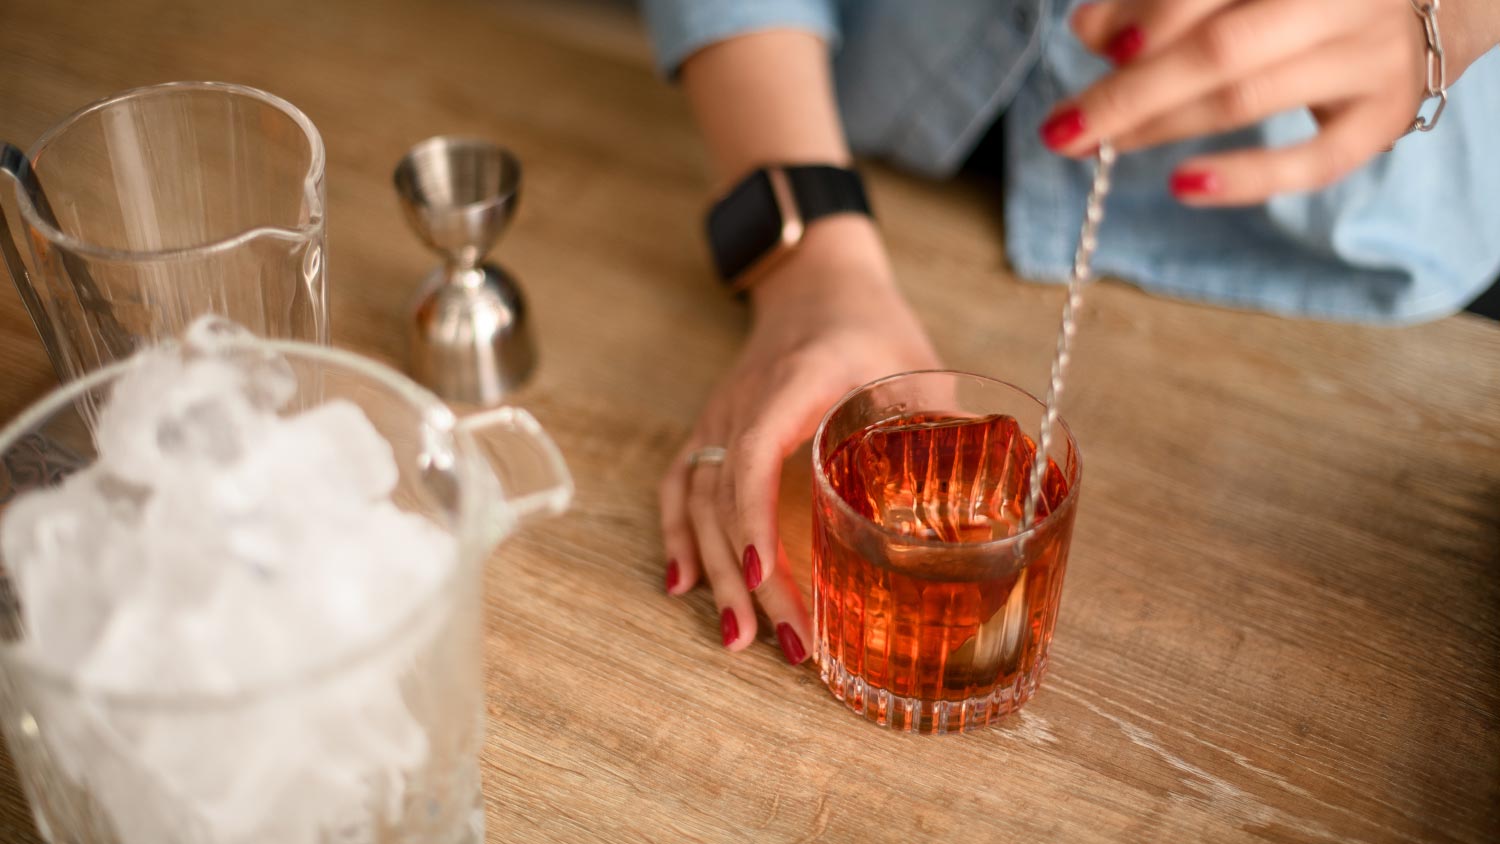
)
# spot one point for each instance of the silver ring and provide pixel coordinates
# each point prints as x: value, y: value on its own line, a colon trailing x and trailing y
x: 712, y: 455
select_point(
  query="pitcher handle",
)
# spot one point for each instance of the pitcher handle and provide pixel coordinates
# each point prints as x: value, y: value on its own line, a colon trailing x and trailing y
x: 13, y: 162
x: 530, y: 468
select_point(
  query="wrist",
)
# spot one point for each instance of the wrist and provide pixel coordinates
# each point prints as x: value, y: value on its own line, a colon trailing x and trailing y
x: 838, y: 256
x: 1471, y: 29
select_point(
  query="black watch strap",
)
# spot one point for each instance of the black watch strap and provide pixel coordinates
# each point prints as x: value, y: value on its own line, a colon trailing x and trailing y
x: 822, y: 189
x: 765, y: 216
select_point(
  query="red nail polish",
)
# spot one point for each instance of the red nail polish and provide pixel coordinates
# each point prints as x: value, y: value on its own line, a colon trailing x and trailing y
x: 752, y: 568
x: 1126, y: 45
x: 674, y: 574
x: 1061, y: 128
x: 790, y: 644
x: 729, y: 627
x: 1186, y: 183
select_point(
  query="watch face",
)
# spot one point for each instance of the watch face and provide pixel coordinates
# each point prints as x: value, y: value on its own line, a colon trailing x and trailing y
x: 744, y: 225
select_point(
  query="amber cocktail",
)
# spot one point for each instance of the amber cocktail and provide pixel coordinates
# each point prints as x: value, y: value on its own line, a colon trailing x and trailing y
x: 933, y: 603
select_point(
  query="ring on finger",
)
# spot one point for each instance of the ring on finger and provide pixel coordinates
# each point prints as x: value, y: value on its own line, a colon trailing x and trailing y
x: 709, y: 455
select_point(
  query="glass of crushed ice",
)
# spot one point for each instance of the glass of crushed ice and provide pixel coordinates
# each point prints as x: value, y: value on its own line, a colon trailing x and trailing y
x: 240, y: 596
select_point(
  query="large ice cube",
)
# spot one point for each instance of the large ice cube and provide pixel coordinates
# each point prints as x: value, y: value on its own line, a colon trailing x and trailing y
x: 65, y: 567
x: 327, y: 458
x: 952, y: 479
x: 170, y: 414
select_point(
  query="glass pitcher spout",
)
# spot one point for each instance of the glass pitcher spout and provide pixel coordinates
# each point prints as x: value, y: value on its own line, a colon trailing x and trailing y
x: 154, y: 206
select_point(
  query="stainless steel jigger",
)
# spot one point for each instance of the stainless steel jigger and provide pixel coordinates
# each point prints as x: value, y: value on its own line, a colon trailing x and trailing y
x: 470, y: 339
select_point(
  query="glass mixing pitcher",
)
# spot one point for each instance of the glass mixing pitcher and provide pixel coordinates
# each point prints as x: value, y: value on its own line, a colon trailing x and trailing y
x: 375, y: 741
x: 159, y: 204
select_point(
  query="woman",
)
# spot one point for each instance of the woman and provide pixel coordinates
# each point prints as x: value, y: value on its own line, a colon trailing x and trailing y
x: 1254, y: 172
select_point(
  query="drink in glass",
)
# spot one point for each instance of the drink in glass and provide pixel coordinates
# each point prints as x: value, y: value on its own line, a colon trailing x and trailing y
x: 933, y: 605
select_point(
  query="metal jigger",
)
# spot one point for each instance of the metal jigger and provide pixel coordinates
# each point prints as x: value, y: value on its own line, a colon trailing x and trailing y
x: 470, y: 342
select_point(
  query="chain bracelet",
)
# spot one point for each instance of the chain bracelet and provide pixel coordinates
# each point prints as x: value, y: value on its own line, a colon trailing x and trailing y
x: 1437, y: 67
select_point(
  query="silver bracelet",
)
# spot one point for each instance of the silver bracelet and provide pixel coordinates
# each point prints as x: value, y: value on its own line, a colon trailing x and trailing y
x: 1437, y: 68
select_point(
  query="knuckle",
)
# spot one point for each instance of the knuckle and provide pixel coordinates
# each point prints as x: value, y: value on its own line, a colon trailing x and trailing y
x: 729, y: 490
x: 725, y: 499
x: 1109, y: 101
x: 1240, y: 103
x: 757, y: 461
x: 798, y: 361
x: 1250, y: 178
x: 751, y: 446
x: 673, y: 521
x: 791, y: 362
x: 700, y: 503
x: 1221, y: 42
x: 1158, y: 15
x: 729, y: 591
x: 723, y: 584
x: 1331, y: 161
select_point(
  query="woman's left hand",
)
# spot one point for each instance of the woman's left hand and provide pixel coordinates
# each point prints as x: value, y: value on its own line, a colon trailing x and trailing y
x: 1199, y: 67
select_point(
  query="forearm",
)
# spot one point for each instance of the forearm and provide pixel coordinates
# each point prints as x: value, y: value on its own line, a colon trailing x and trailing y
x: 767, y: 98
x: 762, y: 98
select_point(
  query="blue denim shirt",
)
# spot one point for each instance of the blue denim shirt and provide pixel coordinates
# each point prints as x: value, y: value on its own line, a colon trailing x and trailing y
x: 1413, y: 235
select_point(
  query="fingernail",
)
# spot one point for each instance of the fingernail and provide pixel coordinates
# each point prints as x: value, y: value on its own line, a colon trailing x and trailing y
x: 1062, y: 128
x: 790, y: 644
x: 1186, y: 183
x: 729, y: 626
x: 752, y: 568
x: 1126, y: 45
x: 674, y: 574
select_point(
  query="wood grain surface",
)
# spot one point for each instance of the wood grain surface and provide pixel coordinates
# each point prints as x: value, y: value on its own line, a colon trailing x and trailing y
x: 1282, y: 614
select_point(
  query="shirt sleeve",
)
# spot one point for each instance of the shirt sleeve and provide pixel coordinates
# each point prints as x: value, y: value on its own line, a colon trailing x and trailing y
x: 680, y: 28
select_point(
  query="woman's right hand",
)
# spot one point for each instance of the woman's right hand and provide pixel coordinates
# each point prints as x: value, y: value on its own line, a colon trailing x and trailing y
x: 827, y: 320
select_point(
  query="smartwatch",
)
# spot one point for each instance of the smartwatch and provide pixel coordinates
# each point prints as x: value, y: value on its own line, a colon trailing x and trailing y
x: 763, y: 218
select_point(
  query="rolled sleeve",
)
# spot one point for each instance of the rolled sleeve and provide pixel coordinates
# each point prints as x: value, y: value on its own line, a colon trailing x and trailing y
x: 680, y: 28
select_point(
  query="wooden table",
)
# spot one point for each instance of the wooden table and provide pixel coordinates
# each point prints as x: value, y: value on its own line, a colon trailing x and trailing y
x: 1282, y: 615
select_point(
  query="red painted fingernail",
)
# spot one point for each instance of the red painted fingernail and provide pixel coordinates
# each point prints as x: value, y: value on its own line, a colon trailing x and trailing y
x: 1186, y: 183
x: 1126, y: 46
x: 790, y: 644
x: 752, y: 568
x: 674, y: 574
x: 1061, y: 128
x: 729, y: 626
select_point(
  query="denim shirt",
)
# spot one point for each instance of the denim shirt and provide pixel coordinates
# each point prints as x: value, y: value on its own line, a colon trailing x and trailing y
x: 1412, y: 235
